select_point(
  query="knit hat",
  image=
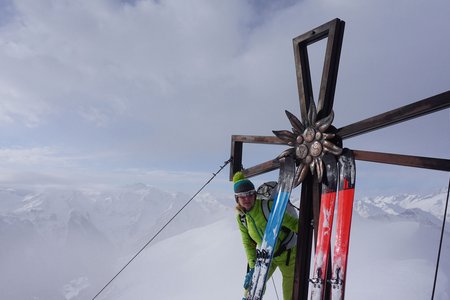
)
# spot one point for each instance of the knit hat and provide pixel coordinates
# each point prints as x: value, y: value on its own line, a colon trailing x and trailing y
x: 242, y: 184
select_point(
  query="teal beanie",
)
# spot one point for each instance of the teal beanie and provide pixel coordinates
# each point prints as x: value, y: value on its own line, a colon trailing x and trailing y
x: 242, y: 184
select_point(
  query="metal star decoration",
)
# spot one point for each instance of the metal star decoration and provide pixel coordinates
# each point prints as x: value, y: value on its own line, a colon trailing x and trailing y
x: 310, y: 141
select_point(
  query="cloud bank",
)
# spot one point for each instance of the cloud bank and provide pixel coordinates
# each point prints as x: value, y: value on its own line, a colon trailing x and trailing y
x: 100, y: 87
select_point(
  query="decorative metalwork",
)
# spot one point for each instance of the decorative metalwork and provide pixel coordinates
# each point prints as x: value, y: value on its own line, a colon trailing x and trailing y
x: 310, y: 141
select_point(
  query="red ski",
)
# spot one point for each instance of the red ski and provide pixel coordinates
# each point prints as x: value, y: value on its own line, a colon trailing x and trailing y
x: 346, y: 192
x: 346, y: 174
x: 327, y: 204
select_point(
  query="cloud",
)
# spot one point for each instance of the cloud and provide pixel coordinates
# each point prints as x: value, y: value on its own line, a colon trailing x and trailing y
x: 54, y: 167
x: 164, y: 84
x: 27, y: 156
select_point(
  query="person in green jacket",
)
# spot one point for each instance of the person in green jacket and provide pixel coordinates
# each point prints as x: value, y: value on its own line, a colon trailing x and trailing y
x: 252, y: 215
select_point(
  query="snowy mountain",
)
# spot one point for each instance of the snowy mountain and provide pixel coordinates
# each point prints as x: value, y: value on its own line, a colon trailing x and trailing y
x: 117, y: 215
x: 75, y: 237
x: 428, y: 209
x: 80, y: 238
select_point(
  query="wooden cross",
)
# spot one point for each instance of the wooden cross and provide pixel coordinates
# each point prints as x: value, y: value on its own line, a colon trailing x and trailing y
x: 310, y: 192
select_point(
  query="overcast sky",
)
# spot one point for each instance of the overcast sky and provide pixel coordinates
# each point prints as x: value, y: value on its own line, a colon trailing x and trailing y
x: 117, y: 92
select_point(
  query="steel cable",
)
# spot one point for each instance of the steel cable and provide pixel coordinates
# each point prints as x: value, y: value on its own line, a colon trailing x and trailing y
x: 440, y: 242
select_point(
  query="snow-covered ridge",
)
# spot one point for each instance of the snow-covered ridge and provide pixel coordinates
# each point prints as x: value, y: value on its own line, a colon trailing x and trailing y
x: 120, y: 214
x: 428, y: 209
x: 134, y: 212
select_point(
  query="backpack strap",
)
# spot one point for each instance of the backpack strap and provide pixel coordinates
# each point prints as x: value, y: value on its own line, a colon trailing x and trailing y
x: 266, y: 209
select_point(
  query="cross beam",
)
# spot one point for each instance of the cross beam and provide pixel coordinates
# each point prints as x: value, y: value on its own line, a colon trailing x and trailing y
x: 392, y: 117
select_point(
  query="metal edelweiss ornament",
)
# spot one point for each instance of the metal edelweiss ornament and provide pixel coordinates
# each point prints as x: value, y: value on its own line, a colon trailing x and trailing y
x: 309, y: 142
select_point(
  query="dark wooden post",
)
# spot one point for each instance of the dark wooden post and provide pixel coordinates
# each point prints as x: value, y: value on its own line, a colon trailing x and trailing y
x: 310, y: 196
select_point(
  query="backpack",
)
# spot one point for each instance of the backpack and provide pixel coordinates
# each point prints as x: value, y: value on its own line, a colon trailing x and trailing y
x: 268, y: 191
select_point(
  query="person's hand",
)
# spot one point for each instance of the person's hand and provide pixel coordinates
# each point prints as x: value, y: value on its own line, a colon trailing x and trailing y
x: 248, y: 278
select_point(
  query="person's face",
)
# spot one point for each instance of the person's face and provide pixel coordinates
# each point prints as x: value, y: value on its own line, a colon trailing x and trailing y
x: 247, y: 201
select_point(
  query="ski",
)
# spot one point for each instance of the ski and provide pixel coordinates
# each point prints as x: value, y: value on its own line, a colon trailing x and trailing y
x: 266, y: 249
x: 327, y: 204
x: 346, y: 190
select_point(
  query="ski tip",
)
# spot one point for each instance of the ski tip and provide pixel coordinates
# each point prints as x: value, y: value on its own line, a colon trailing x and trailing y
x: 330, y: 172
x: 287, y: 172
x: 347, y: 170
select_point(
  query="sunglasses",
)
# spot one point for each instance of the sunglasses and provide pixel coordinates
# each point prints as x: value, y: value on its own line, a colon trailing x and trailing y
x: 245, y: 194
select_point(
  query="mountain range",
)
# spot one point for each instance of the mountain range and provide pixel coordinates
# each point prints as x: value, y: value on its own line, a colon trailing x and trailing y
x: 67, y: 243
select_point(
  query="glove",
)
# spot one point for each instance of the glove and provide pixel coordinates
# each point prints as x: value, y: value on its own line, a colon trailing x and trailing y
x: 248, y: 278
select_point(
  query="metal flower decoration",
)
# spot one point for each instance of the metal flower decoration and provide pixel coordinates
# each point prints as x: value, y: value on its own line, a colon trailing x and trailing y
x: 309, y: 141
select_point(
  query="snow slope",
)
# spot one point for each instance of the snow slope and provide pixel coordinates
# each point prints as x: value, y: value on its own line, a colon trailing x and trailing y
x: 387, y: 261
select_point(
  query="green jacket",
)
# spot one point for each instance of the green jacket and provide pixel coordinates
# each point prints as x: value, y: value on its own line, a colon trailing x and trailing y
x: 252, y: 225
